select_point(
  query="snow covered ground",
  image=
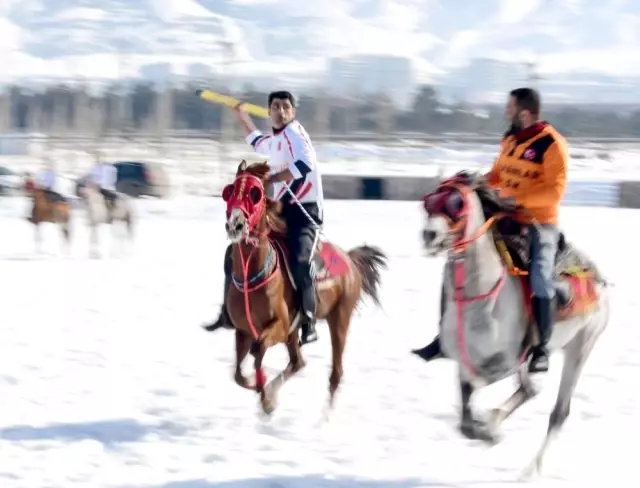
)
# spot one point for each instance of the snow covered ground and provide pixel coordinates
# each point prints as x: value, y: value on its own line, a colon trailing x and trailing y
x: 107, y: 380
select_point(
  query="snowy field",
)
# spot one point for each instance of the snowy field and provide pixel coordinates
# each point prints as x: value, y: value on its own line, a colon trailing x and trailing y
x: 107, y: 380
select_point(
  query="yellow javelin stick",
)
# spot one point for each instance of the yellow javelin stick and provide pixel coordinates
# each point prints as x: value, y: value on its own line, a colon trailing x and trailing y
x: 211, y: 96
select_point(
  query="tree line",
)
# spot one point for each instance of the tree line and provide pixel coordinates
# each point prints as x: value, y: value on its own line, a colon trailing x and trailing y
x: 145, y: 108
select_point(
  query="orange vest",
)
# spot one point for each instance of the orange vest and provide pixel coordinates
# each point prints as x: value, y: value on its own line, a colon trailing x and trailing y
x: 532, y: 169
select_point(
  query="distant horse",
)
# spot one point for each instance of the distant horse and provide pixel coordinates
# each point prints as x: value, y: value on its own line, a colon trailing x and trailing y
x: 487, y: 322
x: 262, y: 306
x: 99, y: 213
x: 57, y: 211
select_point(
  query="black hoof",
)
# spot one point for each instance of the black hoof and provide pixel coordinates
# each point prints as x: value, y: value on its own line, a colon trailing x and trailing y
x: 212, y: 327
x: 426, y: 354
x: 218, y: 324
x: 478, y: 431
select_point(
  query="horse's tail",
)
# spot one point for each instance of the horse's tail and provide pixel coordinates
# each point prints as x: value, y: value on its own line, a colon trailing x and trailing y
x: 369, y: 261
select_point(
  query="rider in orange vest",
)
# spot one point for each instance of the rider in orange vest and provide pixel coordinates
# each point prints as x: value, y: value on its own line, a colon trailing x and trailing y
x: 532, y: 169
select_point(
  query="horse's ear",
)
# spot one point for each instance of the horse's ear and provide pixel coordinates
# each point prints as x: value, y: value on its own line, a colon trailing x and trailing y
x: 242, y: 166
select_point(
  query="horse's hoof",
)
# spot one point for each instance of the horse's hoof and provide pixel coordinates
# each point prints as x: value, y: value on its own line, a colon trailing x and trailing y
x: 479, y: 431
x: 268, y: 407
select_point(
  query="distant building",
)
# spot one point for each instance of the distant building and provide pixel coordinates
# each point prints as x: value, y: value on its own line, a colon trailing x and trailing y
x: 487, y: 81
x: 484, y: 80
x: 370, y: 74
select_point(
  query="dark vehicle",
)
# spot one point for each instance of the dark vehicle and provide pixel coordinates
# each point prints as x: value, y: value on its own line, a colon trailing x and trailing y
x: 137, y: 179
x: 10, y: 182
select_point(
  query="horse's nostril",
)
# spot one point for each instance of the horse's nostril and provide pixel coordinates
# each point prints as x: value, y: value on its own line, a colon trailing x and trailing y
x: 238, y: 227
x: 428, y: 235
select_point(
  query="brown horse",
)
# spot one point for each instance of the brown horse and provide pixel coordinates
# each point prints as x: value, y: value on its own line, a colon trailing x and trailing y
x: 44, y: 210
x: 261, y: 302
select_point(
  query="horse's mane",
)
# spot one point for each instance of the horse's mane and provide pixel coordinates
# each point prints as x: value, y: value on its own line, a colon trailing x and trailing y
x: 259, y: 170
x: 491, y: 202
x: 275, y: 222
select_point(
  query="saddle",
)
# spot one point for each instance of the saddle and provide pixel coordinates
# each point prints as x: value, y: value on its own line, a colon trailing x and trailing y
x: 575, y: 275
x: 54, y: 197
x: 329, y: 261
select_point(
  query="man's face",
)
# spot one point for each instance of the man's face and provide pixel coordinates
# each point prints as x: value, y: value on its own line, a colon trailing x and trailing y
x: 512, y: 112
x: 281, y: 112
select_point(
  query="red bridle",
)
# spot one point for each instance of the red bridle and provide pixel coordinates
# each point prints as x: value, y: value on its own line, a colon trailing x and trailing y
x: 451, y: 201
x: 247, y: 194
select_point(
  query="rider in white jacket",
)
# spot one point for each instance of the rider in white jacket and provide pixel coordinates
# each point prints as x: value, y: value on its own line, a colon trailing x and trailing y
x: 47, y: 180
x: 104, y: 177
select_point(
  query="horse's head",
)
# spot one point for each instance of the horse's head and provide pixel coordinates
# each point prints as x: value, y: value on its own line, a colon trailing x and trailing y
x: 450, y: 210
x: 249, y: 212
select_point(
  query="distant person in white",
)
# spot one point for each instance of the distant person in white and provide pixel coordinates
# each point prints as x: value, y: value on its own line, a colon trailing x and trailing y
x: 104, y: 177
x: 47, y: 181
x: 293, y: 163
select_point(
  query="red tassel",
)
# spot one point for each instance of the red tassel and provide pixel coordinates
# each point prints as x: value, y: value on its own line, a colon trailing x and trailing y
x: 261, y: 378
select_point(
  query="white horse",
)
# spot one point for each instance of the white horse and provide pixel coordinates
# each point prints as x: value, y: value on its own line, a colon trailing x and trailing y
x: 486, y: 326
x: 98, y: 213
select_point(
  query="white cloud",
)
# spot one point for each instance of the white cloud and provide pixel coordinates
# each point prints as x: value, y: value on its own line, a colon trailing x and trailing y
x: 621, y: 61
x: 556, y: 35
x: 458, y: 49
x: 514, y: 11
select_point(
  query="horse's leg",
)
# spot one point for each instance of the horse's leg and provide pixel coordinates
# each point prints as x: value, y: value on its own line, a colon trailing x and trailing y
x: 66, y: 239
x: 115, y: 239
x: 65, y: 227
x: 243, y: 344
x: 470, y: 427
x: 338, y: 319
x: 129, y: 223
x: 94, y: 250
x: 525, y: 392
x: 576, y: 353
x: 267, y: 402
x: 38, y: 237
x: 296, y: 363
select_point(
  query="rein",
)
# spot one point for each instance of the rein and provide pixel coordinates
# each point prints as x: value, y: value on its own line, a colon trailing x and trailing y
x: 254, y: 239
x: 265, y: 273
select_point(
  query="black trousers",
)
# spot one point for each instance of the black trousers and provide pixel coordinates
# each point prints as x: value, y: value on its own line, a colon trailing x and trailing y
x: 301, y: 237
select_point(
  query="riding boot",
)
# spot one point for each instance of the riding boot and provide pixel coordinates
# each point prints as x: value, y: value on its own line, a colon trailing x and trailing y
x: 433, y: 350
x: 430, y: 351
x: 308, y: 320
x: 223, y: 319
x: 543, y: 314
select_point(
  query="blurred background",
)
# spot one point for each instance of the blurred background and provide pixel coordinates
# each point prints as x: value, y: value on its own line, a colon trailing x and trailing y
x: 106, y: 377
x: 384, y: 87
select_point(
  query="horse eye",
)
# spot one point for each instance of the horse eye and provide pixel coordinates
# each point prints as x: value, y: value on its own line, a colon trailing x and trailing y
x: 454, y: 204
x: 227, y: 191
x: 255, y: 194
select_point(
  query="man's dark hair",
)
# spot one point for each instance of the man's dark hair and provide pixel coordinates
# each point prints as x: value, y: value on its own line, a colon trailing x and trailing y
x: 282, y: 95
x: 527, y: 99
